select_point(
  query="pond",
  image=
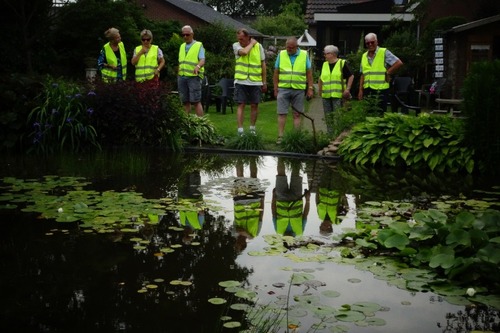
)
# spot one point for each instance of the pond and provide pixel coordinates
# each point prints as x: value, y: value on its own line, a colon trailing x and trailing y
x: 195, y: 242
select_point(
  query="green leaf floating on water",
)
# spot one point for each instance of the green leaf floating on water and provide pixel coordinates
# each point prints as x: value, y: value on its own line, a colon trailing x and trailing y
x: 217, y: 300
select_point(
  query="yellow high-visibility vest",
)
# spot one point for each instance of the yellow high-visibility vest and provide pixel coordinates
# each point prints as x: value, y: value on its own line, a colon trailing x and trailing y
x: 249, y: 66
x: 189, y: 60
x: 328, y: 204
x: 289, y: 215
x: 332, y: 81
x: 147, y: 64
x: 293, y: 76
x: 110, y: 74
x: 374, y: 74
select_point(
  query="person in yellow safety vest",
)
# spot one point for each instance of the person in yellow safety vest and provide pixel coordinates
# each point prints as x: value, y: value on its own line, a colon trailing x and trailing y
x: 327, y: 204
x: 249, y: 77
x: 377, y: 66
x: 292, y: 77
x: 248, y: 205
x: 192, y: 211
x: 148, y: 58
x: 191, y: 71
x: 334, y: 84
x: 289, y: 214
x: 112, y: 60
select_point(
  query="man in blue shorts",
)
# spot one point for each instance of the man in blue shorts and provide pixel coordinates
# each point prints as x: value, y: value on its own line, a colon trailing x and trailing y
x: 292, y: 77
x: 191, y: 71
x: 249, y: 77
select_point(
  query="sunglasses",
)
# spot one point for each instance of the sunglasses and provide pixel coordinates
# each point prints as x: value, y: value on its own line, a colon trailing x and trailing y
x: 185, y: 35
x: 370, y: 43
x: 146, y: 39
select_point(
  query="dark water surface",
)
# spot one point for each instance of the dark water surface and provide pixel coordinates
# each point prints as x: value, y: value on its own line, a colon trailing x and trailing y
x: 58, y: 277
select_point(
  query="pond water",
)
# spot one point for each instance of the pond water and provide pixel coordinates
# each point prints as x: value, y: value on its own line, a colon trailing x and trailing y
x: 153, y: 242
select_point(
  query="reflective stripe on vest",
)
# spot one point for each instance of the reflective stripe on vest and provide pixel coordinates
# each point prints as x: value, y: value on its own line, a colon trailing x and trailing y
x: 248, y: 217
x: 293, y: 76
x: 332, y: 81
x: 328, y: 203
x: 187, y: 62
x: 374, y: 74
x: 147, y: 64
x: 249, y: 66
x: 110, y: 74
x: 289, y: 214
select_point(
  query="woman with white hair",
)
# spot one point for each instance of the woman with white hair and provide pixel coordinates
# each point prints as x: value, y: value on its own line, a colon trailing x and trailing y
x: 148, y: 58
x: 112, y: 61
x: 335, y: 82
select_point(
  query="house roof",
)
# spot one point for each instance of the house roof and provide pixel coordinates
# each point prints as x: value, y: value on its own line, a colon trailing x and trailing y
x: 326, y: 6
x: 475, y: 24
x: 306, y: 39
x: 354, y: 11
x: 210, y: 15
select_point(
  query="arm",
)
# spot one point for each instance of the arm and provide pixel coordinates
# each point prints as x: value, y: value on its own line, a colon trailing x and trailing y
x: 391, y: 70
x: 135, y: 58
x: 244, y: 51
x: 264, y: 76
x: 320, y: 87
x: 361, y: 82
x: 161, y: 64
x: 275, y: 81
x: 310, y: 83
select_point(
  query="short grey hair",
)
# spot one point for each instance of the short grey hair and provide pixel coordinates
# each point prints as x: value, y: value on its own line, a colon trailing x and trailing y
x: 111, y: 33
x: 331, y: 49
x: 188, y: 27
x: 147, y: 32
x: 371, y: 35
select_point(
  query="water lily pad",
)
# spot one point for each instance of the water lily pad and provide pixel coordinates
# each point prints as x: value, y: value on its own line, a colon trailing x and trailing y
x: 229, y: 283
x: 349, y: 316
x: 330, y: 293
x: 240, y: 306
x: 217, y: 300
x: 232, y: 324
x: 151, y: 286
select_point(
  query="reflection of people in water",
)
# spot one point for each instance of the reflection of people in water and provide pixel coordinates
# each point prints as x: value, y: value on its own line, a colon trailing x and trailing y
x: 328, y: 203
x: 289, y: 214
x: 192, y: 214
x: 248, y: 199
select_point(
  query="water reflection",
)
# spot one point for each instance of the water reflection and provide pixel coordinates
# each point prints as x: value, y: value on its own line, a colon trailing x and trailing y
x: 73, y: 281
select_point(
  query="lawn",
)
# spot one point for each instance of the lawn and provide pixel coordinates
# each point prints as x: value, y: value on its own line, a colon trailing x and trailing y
x: 266, y: 126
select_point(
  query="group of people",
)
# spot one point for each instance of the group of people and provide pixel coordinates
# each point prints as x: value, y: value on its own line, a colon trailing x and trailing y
x: 292, y: 76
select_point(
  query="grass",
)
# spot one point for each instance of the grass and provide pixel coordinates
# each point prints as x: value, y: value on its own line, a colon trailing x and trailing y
x: 266, y: 126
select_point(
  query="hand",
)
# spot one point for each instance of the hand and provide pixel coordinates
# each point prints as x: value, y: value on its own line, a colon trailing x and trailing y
x: 264, y: 88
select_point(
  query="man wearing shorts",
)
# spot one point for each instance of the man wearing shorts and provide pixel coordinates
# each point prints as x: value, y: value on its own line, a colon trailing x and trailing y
x: 292, y: 76
x: 191, y: 70
x: 249, y: 77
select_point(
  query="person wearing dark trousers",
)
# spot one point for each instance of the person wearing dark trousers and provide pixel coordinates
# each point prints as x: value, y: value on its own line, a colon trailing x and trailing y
x: 378, y: 64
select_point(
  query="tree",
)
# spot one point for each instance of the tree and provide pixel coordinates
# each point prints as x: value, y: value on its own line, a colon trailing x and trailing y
x: 288, y: 23
x: 25, y: 25
x: 252, y: 7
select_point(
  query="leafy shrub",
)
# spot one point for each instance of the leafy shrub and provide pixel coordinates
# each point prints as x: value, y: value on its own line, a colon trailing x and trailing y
x: 481, y: 99
x: 130, y: 113
x: 347, y: 116
x: 429, y: 141
x: 246, y: 141
x: 298, y: 141
x: 62, y: 121
x: 18, y: 95
x: 199, y: 129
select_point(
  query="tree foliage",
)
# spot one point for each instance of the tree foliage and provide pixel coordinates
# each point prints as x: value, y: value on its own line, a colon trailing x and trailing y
x: 290, y: 22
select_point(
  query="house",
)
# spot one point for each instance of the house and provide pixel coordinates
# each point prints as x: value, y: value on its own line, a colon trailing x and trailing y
x: 345, y: 22
x: 464, y: 44
x: 195, y: 14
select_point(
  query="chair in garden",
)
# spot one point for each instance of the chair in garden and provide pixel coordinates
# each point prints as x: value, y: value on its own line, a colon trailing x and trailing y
x: 431, y: 91
x: 222, y: 94
x: 403, y: 95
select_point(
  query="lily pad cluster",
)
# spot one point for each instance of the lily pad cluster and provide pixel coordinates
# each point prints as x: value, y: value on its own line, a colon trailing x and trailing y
x: 289, y: 308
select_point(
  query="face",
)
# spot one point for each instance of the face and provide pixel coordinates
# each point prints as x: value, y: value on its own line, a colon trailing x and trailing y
x: 146, y: 40
x: 243, y: 40
x: 116, y: 39
x: 371, y: 44
x: 328, y: 55
x: 291, y: 47
x: 187, y: 35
